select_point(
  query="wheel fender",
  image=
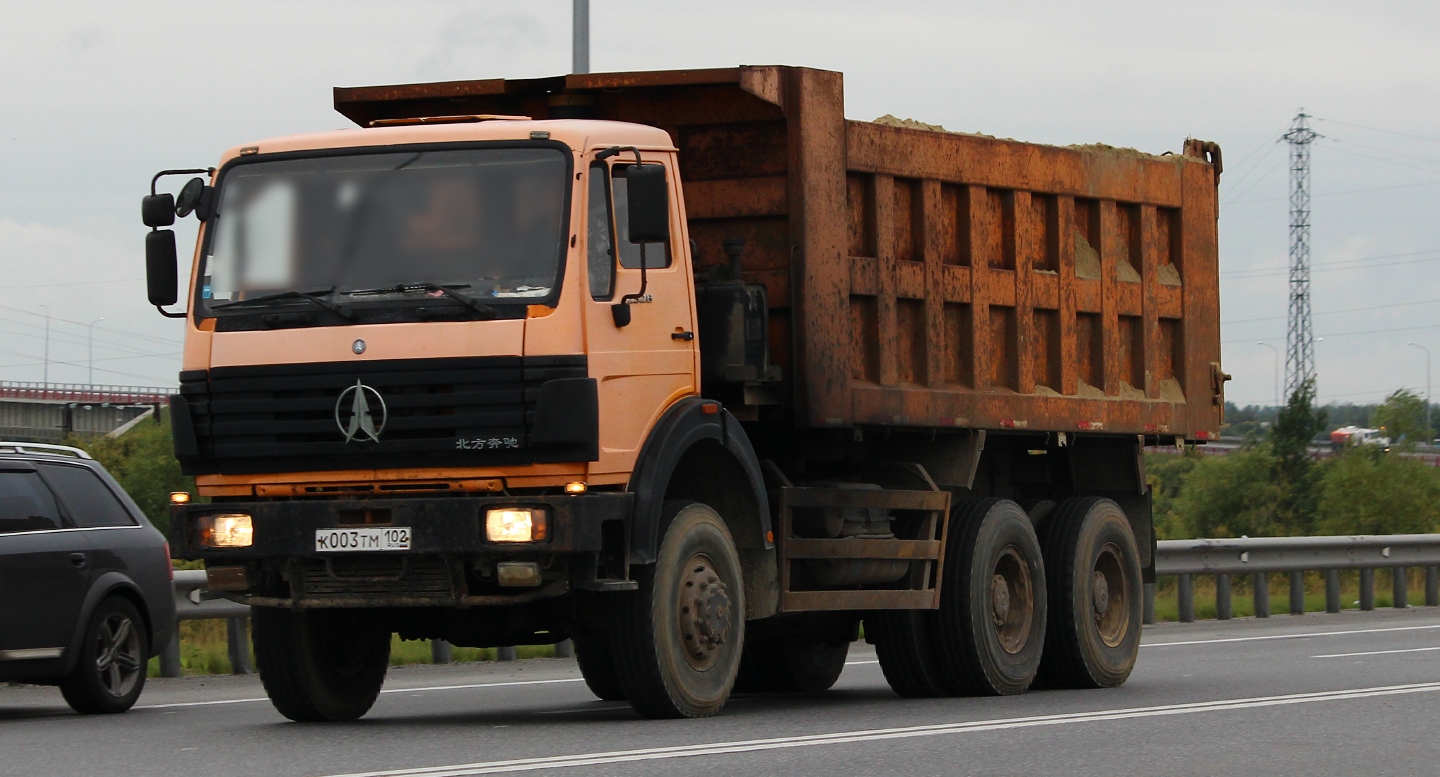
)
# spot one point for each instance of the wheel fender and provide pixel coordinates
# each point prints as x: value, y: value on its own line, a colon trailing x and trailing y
x: 109, y: 583
x: 682, y: 426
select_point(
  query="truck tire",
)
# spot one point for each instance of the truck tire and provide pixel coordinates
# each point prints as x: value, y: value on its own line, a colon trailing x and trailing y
x: 319, y: 665
x: 990, y: 628
x: 790, y: 665
x: 1095, y: 595
x: 597, y: 666
x: 110, y: 671
x: 904, y: 644
x: 678, y: 639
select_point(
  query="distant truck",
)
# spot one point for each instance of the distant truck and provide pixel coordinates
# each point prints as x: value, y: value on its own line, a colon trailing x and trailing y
x: 689, y: 368
x: 1358, y: 435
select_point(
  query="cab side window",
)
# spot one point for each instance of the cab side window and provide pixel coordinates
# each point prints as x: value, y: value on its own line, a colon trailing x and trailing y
x: 88, y: 502
x: 26, y: 504
x: 601, y: 248
x: 657, y: 255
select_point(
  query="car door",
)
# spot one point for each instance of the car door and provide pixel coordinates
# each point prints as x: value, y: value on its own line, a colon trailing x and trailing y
x: 43, y: 568
x: 645, y: 365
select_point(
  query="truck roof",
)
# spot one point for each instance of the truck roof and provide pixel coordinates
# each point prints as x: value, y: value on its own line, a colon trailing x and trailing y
x: 578, y: 134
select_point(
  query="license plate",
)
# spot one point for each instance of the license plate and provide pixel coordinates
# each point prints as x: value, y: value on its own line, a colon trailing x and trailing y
x: 386, y: 538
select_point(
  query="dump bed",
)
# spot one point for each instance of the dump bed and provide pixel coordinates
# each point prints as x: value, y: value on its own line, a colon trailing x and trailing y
x: 920, y: 278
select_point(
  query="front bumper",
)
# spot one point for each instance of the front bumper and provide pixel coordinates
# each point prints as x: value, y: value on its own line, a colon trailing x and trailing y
x: 449, y: 563
x: 438, y: 525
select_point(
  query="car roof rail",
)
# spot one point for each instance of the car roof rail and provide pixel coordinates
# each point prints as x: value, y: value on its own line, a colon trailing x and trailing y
x: 42, y: 449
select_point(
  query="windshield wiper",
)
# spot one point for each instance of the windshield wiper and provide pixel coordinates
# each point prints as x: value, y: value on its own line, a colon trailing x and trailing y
x: 448, y: 290
x: 315, y: 296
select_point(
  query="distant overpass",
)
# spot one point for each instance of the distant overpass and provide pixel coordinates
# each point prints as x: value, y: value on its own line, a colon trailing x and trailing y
x: 47, y: 412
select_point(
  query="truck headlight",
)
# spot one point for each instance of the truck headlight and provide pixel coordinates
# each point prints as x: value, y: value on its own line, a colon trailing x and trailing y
x: 225, y: 530
x: 515, y: 524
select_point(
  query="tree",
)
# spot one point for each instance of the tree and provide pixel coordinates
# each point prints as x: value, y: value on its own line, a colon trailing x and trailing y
x: 1295, y: 471
x: 1369, y: 491
x: 1402, y: 416
x: 143, y: 462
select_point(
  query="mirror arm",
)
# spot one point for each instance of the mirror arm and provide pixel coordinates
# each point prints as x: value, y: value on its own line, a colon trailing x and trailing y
x: 168, y: 314
x: 156, y: 179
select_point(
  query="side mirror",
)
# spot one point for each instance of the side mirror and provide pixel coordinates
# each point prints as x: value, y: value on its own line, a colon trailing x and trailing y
x: 195, y: 197
x: 158, y: 210
x: 161, y: 267
x: 649, y: 204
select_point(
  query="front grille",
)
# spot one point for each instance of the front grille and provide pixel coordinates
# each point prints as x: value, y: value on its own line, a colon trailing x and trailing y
x: 416, y: 576
x: 438, y: 412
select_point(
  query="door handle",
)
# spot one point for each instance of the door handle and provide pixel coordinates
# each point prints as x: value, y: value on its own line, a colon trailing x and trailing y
x: 686, y: 336
x: 78, y: 559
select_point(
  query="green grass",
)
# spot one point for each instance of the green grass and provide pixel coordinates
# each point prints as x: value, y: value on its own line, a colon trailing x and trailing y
x: 1167, y: 607
x: 203, y: 651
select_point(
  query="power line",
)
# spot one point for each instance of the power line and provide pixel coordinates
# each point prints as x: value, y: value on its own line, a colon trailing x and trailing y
x: 1385, y: 151
x: 1346, y: 191
x: 137, y: 335
x: 1339, y: 264
x: 1334, y: 312
x: 81, y: 366
x: 1349, y: 334
x: 1397, y: 163
x: 72, y: 283
x: 1377, y: 129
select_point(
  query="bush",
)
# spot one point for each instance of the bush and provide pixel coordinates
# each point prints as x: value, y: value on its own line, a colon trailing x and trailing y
x: 1368, y: 491
x: 1229, y: 496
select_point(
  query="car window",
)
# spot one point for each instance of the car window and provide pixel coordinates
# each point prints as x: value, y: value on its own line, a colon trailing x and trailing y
x: 88, y: 501
x: 601, y: 258
x: 26, y: 504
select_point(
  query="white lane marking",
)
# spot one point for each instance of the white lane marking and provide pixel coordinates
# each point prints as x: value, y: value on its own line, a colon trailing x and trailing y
x: 1299, y: 635
x: 846, y: 737
x: 422, y: 689
x: 1377, y: 652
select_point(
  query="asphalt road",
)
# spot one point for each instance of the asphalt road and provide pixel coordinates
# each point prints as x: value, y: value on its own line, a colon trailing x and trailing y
x: 1354, y: 693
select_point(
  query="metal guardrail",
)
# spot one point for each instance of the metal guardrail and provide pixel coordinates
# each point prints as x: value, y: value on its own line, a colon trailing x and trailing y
x: 1255, y: 556
x: 1294, y: 556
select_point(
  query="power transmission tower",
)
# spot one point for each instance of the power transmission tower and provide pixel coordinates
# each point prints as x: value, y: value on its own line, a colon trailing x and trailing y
x: 1300, y: 337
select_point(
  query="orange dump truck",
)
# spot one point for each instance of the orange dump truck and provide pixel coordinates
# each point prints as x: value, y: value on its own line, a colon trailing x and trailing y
x: 692, y: 370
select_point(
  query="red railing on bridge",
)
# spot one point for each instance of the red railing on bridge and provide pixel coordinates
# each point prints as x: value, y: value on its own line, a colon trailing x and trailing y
x: 84, y: 392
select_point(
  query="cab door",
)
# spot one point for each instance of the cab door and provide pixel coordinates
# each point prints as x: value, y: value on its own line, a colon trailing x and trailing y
x: 644, y: 365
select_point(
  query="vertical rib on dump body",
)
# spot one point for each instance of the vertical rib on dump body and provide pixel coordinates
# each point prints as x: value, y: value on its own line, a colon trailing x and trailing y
x: 922, y: 278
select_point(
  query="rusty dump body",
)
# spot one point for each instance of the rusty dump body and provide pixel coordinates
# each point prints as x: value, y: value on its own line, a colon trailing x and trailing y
x: 915, y: 278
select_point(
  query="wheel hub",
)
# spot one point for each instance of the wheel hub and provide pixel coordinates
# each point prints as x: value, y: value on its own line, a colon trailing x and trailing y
x: 1011, y: 600
x: 704, y: 616
x: 999, y: 599
x: 1100, y: 596
x: 1110, y: 596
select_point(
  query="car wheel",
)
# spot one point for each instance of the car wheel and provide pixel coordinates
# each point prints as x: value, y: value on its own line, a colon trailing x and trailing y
x: 110, y: 671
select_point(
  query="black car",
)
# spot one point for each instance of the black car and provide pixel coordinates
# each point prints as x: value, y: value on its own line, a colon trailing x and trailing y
x: 85, y: 591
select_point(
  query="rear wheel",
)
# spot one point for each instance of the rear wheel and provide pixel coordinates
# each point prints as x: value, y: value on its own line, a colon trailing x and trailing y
x: 1095, y: 595
x: 597, y: 666
x: 678, y: 639
x: 110, y: 671
x: 791, y: 665
x: 990, y: 628
x: 905, y: 648
x: 319, y: 665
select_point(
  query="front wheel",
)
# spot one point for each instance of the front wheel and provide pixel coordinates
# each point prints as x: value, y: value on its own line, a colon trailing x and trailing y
x: 678, y: 638
x: 110, y: 672
x: 319, y: 666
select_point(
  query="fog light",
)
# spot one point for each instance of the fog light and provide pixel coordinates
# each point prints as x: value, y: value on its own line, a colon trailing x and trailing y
x: 179, y: 498
x: 515, y: 524
x: 575, y: 488
x: 226, y: 530
x: 522, y: 574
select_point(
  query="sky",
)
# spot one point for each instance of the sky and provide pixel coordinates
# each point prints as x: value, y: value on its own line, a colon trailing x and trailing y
x: 96, y: 97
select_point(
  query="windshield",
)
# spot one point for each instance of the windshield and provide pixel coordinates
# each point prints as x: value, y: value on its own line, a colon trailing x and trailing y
x: 488, y: 221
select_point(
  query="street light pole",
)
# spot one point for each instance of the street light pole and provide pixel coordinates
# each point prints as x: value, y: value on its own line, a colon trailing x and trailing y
x: 580, y: 41
x: 46, y: 374
x: 1428, y: 429
x: 90, y: 350
x: 1277, y: 373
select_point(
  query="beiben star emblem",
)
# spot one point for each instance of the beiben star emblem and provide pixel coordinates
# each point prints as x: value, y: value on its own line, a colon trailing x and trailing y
x: 363, y: 423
